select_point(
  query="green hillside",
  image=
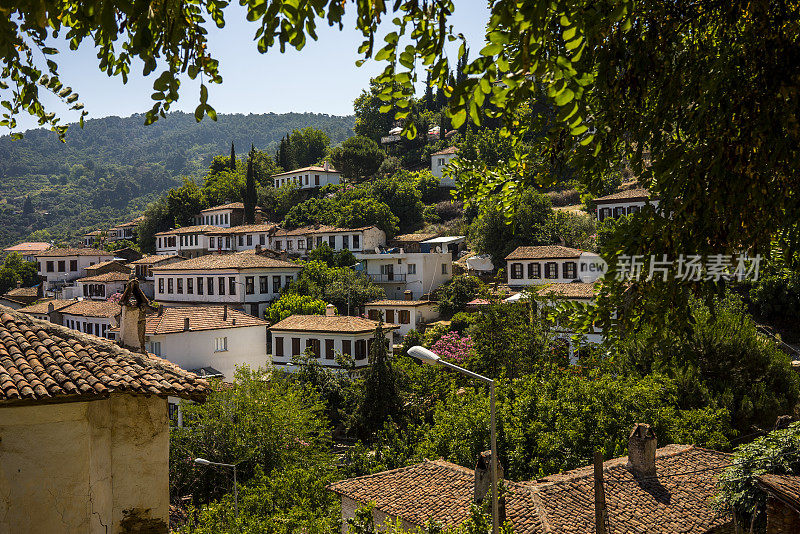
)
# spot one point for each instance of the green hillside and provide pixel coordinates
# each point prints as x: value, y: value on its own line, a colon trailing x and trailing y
x: 109, y: 170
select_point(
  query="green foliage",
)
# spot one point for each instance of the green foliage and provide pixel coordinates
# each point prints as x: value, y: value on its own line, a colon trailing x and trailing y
x: 343, y: 206
x: 249, y: 195
x: 14, y: 270
x: 302, y: 148
x: 402, y: 196
x: 462, y: 321
x: 372, y: 121
x: 276, y: 202
x: 381, y: 402
x: 340, y: 286
x: 777, y: 296
x: 358, y: 157
x: 453, y: 296
x: 433, y: 334
x: 292, y: 304
x: 777, y: 453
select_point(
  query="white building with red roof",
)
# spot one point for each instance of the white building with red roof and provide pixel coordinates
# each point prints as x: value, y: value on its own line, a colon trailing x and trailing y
x: 308, y: 177
x: 440, y: 160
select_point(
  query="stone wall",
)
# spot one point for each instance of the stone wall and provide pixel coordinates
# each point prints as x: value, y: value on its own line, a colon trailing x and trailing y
x: 781, y: 519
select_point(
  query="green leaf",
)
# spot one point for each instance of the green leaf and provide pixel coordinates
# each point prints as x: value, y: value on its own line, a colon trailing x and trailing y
x: 491, y: 49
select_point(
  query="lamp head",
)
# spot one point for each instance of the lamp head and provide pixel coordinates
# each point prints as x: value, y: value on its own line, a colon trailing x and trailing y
x: 201, y: 461
x: 421, y: 353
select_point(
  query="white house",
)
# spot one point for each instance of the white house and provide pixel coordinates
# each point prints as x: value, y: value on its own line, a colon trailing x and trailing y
x: 59, y: 266
x: 552, y: 294
x: 622, y: 203
x: 242, y: 237
x: 189, y: 241
x: 548, y: 264
x: 440, y: 160
x: 102, y: 286
x: 90, y: 316
x: 309, y: 177
x: 325, y: 335
x: 407, y: 314
x: 418, y: 272
x: 92, y: 238
x: 204, y: 337
x: 224, y: 215
x: 245, y: 280
x: 125, y: 230
x: 301, y: 240
x: 44, y: 309
x: 143, y: 270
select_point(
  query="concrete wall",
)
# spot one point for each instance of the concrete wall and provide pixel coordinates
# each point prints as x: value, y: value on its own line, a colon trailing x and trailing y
x: 418, y: 316
x: 308, y: 179
x: 90, y: 325
x: 533, y: 281
x: 321, y: 337
x: 628, y: 206
x: 85, y: 467
x: 438, y: 163
x: 192, y: 350
x: 367, y: 240
x: 428, y: 275
x: 59, y: 276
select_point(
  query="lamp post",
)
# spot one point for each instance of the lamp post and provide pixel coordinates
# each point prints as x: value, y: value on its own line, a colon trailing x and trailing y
x: 432, y: 358
x: 207, y: 463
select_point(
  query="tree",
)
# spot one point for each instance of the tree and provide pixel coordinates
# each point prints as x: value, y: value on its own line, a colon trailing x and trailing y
x: 368, y: 212
x: 27, y: 206
x: 371, y: 121
x: 343, y: 287
x: 294, y: 304
x: 233, y: 157
x: 381, y: 401
x: 184, y: 203
x: 454, y: 295
x: 358, y: 157
x: 403, y: 197
x: 249, y: 195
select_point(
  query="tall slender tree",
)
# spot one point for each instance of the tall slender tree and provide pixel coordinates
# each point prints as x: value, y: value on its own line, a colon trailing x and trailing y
x: 429, y: 102
x: 233, y: 158
x: 381, y: 400
x: 250, y: 195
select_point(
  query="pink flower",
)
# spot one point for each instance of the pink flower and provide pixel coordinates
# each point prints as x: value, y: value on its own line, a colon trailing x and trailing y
x: 453, y: 347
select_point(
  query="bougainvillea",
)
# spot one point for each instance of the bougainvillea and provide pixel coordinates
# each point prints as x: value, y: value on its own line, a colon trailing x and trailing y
x: 453, y: 347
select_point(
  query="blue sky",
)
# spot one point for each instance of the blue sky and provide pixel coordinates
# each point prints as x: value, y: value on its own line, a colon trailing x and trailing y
x: 321, y: 78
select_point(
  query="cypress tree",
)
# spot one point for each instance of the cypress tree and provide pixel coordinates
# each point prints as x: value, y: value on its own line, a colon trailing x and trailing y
x: 250, y: 194
x: 429, y: 103
x: 381, y: 399
x: 233, y: 158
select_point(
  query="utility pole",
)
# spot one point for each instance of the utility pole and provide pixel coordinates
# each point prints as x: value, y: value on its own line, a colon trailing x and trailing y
x: 599, y: 495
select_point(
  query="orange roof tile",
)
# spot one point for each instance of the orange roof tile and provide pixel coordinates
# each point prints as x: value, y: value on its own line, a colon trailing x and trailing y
x: 237, y: 260
x: 638, y: 193
x: 92, y: 308
x: 545, y: 252
x: 329, y: 323
x: 197, y: 229
x: 172, y: 320
x: 112, y: 276
x: 62, y: 252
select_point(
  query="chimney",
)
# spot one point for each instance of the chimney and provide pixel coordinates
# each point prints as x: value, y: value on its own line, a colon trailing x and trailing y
x: 233, y: 321
x: 408, y: 295
x: 642, y: 451
x: 50, y: 307
x: 259, y: 216
x: 19, y: 284
x: 132, y: 319
x: 483, y: 476
x: 225, y: 312
x: 185, y: 324
x: 284, y: 255
x: 330, y: 310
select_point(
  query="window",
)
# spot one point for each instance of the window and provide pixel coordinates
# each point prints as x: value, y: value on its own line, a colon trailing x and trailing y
x: 278, y: 347
x: 159, y: 242
x: 96, y: 329
x: 534, y: 270
x: 241, y: 240
x: 181, y: 240
x: 332, y: 241
x: 262, y: 239
x: 307, y: 180
x: 412, y: 268
x: 220, y: 344
x: 211, y: 242
x: 62, y: 266
x: 310, y: 243
x: 231, y: 285
x: 328, y: 349
x: 301, y: 244
x: 345, y: 242
x: 389, y: 316
x: 276, y: 284
x: 516, y: 271
x: 190, y: 286
x: 405, y: 316
x: 199, y: 285
x: 619, y: 211
x: 444, y: 268
x: 313, y: 345
x: 287, y: 280
x: 316, y: 179
x: 570, y: 270
x: 227, y: 242
x: 226, y: 218
x: 289, y: 244
x: 278, y: 245
x: 221, y: 285
x: 154, y: 347
x: 319, y: 241
x: 180, y: 285
x: 361, y: 349
x: 216, y: 218
x: 73, y: 265
x: 551, y: 269
x: 633, y: 209
x: 160, y: 285
x: 249, y: 285
x: 295, y: 346
x: 441, y: 162
x: 374, y: 314
x: 347, y: 347
x: 169, y: 285
x: 249, y: 239
x: 210, y: 285
x: 104, y: 331
x: 356, y: 241
x: 263, y: 284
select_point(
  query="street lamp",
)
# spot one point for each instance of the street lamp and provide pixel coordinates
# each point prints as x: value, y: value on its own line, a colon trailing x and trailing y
x: 431, y: 358
x: 207, y: 463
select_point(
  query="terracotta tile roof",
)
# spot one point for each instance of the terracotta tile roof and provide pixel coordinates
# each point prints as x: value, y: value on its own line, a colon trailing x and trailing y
x: 41, y: 361
x: 94, y: 233
x: 413, y: 238
x: 154, y: 259
x: 783, y: 487
x: 102, y: 264
x: 304, y: 169
x: 61, y: 252
x: 638, y: 193
x: 545, y: 252
x: 200, y: 228
x: 564, y: 502
x: 318, y: 229
x: 228, y: 206
x: 389, y: 302
x: 112, y: 276
x: 171, y: 320
x: 665, y: 505
x: 246, y: 228
x: 237, y: 260
x: 41, y: 307
x: 437, y: 490
x: 329, y: 323
x: 448, y: 150
x: 29, y: 246
x: 23, y: 292
x: 130, y: 223
x: 92, y: 308
x: 574, y: 290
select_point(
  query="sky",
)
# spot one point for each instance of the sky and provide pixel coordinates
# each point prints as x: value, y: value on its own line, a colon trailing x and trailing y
x: 322, y: 78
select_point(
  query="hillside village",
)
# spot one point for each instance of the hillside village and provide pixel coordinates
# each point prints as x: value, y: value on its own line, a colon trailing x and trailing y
x: 443, y: 320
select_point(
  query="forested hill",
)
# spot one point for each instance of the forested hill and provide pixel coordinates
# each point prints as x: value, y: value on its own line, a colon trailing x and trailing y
x: 111, y: 169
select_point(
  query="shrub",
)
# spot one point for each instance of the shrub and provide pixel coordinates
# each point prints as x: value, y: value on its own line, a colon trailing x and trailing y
x: 449, y: 209
x: 430, y: 215
x: 453, y: 296
x: 462, y: 321
x: 291, y: 304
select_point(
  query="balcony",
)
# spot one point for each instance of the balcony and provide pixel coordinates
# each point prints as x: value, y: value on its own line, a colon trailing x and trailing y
x: 388, y: 278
